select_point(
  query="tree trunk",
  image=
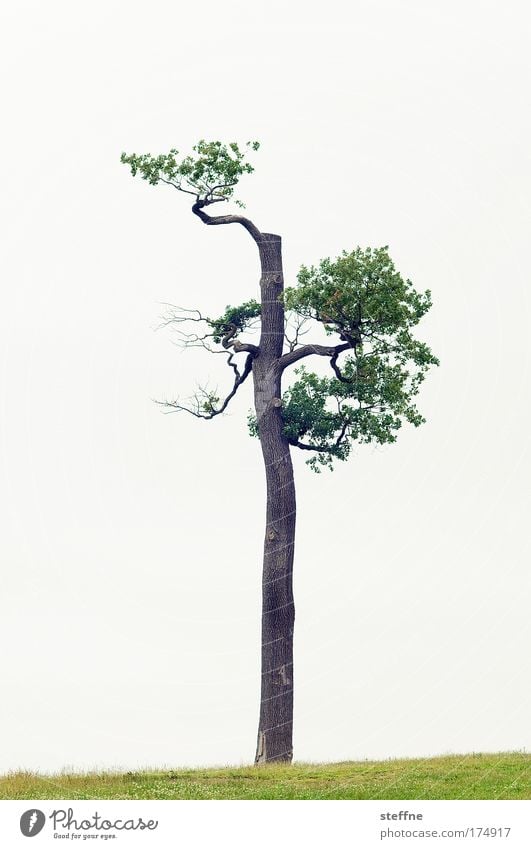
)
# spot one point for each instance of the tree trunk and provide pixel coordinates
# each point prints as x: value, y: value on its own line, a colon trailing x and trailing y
x: 278, y: 611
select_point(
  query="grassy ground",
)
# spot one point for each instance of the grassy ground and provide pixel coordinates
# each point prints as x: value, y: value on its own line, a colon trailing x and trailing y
x: 493, y: 776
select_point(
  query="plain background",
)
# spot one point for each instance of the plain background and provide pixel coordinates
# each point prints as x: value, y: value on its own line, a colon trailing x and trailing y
x: 131, y: 541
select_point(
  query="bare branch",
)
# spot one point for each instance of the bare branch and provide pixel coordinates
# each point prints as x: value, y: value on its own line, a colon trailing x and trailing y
x: 173, y: 317
x: 204, y: 398
x: 198, y: 210
x: 178, y: 187
x: 296, y: 325
x: 195, y: 340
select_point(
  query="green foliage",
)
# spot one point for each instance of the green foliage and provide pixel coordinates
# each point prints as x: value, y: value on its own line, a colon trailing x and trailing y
x: 362, y: 298
x: 358, y: 294
x: 210, y: 402
x: 309, y: 416
x: 210, y: 173
x: 234, y: 318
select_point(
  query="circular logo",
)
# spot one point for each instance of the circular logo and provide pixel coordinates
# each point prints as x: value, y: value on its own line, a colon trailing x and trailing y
x: 31, y: 822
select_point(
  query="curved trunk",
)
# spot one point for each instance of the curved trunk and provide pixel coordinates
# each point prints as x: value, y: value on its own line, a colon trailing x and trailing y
x: 278, y: 612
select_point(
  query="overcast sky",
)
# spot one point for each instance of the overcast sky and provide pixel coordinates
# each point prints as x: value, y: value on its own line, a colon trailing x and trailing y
x: 131, y: 541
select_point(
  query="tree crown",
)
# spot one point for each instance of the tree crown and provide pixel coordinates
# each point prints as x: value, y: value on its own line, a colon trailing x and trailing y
x: 363, y: 299
x: 358, y: 294
x: 359, y: 297
x: 210, y: 173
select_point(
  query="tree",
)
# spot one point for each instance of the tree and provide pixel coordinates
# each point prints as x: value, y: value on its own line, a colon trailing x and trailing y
x: 376, y: 368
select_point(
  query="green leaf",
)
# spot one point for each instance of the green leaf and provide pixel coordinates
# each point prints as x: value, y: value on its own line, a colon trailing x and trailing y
x: 211, y: 172
x: 362, y: 298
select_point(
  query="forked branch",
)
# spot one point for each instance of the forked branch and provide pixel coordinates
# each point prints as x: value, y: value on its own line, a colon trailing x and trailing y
x: 205, y: 402
x: 325, y: 449
x: 307, y: 350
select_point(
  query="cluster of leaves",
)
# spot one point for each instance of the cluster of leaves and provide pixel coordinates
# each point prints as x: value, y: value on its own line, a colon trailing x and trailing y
x: 310, y: 416
x: 357, y: 295
x: 369, y: 404
x: 363, y: 299
x: 210, y: 173
x: 209, y: 402
x: 234, y: 318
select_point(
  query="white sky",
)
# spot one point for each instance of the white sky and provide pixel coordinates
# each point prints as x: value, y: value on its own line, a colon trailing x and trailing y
x: 131, y: 541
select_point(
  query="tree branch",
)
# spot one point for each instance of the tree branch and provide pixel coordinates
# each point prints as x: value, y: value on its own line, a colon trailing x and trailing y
x: 306, y: 350
x: 178, y: 187
x: 238, y: 346
x: 198, y: 210
x: 199, y: 412
x: 212, y: 192
x: 296, y: 325
x: 228, y: 341
x: 194, y: 340
x: 337, y: 370
x: 324, y: 449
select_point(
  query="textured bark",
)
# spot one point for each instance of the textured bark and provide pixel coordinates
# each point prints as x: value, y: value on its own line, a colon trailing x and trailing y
x: 275, y: 727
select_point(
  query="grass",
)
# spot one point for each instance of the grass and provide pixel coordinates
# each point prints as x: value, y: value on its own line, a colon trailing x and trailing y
x: 474, y: 776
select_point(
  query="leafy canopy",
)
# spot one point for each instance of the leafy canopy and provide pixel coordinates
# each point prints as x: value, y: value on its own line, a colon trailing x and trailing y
x: 376, y: 363
x: 359, y: 294
x: 234, y: 319
x: 362, y: 299
x: 210, y: 173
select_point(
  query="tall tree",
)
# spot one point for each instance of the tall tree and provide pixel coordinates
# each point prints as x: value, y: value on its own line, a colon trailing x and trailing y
x: 376, y: 368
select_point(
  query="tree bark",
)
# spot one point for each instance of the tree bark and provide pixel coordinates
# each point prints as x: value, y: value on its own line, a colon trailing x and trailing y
x: 275, y: 729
